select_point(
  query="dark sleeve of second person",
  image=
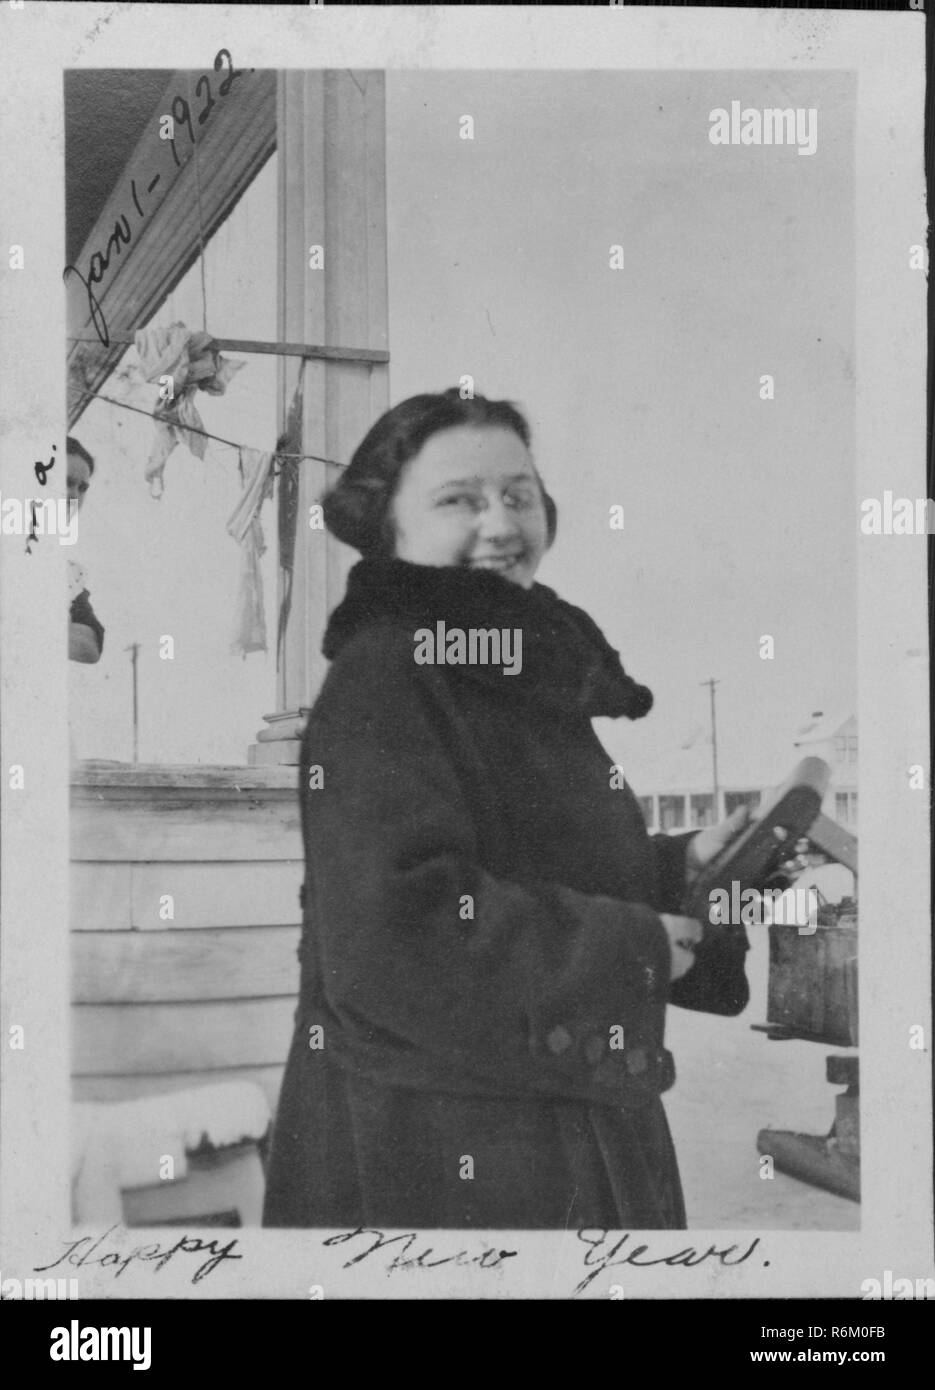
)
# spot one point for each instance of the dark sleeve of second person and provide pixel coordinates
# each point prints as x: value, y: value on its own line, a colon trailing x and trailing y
x: 82, y: 612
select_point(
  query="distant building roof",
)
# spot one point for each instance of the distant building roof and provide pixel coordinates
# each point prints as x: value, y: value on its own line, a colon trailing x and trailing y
x: 687, y: 769
x: 821, y: 726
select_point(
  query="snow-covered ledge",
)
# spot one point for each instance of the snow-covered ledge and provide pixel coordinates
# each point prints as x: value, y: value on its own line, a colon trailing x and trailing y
x: 96, y: 772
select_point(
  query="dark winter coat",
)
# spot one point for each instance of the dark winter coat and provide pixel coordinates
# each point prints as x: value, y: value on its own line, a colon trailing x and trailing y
x: 481, y: 922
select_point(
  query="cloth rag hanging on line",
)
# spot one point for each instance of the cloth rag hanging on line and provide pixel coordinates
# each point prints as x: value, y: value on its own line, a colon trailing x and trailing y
x: 244, y: 525
x: 77, y: 580
x: 194, y: 363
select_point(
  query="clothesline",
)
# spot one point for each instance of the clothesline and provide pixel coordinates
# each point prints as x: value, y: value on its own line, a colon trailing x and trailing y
x: 307, y: 350
x: 218, y: 439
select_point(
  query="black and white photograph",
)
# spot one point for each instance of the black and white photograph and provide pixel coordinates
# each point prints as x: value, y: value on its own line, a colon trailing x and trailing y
x: 475, y: 842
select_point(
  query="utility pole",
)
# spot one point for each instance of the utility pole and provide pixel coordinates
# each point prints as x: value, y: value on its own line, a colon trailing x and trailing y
x: 134, y: 647
x: 717, y: 810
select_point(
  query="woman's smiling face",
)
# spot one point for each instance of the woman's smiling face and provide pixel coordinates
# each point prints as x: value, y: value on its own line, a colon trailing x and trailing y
x: 471, y: 497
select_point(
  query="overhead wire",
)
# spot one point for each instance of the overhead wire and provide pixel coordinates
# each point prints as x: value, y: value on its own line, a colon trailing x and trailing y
x: 218, y: 439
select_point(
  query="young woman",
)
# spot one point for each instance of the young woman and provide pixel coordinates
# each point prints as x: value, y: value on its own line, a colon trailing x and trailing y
x: 490, y: 933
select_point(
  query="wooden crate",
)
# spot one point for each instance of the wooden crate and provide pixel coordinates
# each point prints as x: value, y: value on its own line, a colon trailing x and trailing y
x: 812, y: 990
x: 221, y: 1188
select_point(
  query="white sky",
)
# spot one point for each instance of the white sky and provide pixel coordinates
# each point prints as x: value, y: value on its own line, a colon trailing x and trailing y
x: 641, y: 385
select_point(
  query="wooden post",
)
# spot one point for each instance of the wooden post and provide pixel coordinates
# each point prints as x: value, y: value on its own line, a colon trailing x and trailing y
x: 717, y: 795
x: 134, y: 647
x: 332, y: 196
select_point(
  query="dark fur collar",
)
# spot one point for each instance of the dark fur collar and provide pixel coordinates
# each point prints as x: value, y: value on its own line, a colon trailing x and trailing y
x: 567, y: 662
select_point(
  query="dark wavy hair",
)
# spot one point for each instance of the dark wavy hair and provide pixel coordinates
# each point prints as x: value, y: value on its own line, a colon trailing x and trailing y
x: 73, y: 447
x: 357, y: 508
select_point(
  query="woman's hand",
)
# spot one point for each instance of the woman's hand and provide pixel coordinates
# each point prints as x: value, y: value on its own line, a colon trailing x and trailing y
x: 708, y: 843
x: 684, y: 934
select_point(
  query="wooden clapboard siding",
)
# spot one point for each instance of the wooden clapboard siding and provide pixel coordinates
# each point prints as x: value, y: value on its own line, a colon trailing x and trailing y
x: 209, y: 995
x: 95, y: 777
x: 212, y: 894
x: 114, y: 897
x: 125, y: 1039
x: 186, y: 828
x: 100, y: 897
x: 164, y: 966
x: 123, y: 813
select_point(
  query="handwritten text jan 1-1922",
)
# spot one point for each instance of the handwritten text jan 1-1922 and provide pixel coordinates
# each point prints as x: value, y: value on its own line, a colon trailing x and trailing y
x: 122, y: 235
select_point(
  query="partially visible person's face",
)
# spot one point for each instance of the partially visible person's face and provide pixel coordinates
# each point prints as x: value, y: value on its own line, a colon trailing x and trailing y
x: 471, y: 497
x: 79, y: 480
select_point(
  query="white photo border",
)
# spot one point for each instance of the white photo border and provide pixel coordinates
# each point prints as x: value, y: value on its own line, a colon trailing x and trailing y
x: 886, y: 50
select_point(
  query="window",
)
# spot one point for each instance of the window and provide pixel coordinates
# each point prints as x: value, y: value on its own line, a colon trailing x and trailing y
x: 840, y: 748
x: 852, y: 748
x: 845, y: 808
x: 646, y: 806
x: 671, y: 812
x: 702, y: 809
x: 734, y: 799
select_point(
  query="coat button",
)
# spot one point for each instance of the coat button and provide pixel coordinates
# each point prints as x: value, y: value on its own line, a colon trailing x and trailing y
x: 559, y: 1040
x: 636, y: 1061
x: 594, y: 1050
